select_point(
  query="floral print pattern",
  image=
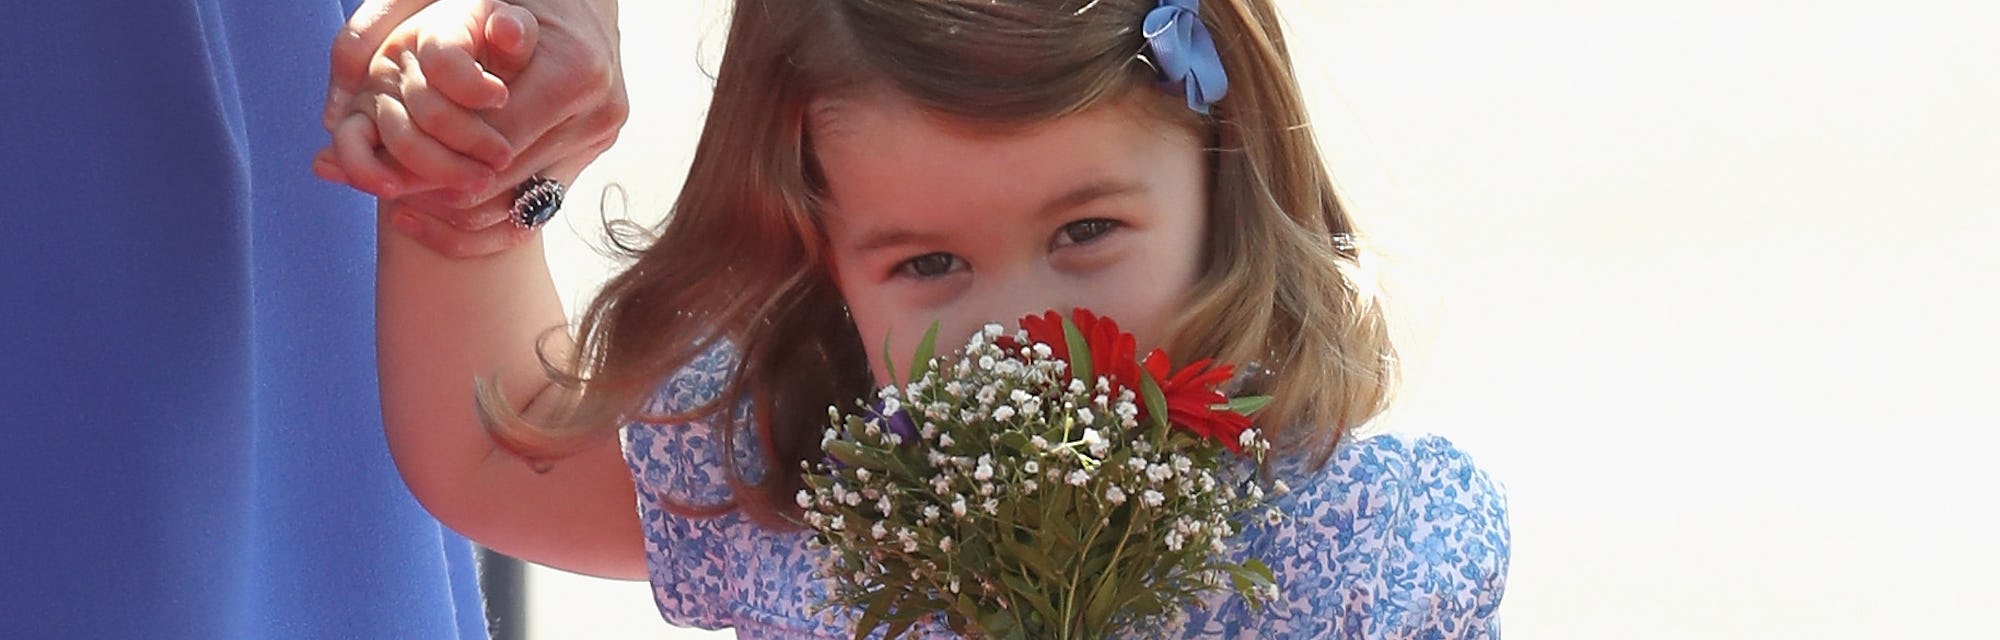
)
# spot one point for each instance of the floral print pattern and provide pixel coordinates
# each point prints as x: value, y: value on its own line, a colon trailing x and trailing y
x: 1395, y: 537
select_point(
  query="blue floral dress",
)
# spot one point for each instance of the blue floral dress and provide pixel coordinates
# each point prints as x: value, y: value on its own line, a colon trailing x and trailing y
x: 1395, y: 537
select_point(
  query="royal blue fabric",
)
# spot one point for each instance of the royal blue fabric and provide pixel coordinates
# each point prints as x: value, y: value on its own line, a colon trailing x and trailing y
x: 192, y: 441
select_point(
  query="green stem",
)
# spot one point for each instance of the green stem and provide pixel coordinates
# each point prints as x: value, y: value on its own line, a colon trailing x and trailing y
x: 1069, y: 601
x: 1112, y: 568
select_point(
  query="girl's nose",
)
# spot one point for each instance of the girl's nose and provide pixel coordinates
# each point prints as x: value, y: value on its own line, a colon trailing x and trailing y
x: 1005, y: 300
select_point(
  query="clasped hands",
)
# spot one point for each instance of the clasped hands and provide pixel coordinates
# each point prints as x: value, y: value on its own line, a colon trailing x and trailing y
x: 440, y: 108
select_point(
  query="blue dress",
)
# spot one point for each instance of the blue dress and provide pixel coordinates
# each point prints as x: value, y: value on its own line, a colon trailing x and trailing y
x: 194, y: 446
x: 1396, y: 537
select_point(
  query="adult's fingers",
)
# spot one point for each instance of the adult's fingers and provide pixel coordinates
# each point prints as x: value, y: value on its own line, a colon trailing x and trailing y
x: 576, y: 141
x: 562, y: 169
x: 434, y: 233
x: 354, y: 45
x: 434, y: 227
x: 557, y: 85
x: 326, y: 165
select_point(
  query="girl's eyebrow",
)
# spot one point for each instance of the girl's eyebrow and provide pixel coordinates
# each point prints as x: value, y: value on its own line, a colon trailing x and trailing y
x: 890, y: 237
x: 1090, y: 192
x: 886, y: 237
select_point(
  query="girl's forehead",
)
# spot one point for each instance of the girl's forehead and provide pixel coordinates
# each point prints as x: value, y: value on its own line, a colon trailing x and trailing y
x: 885, y: 152
x: 894, y: 181
x: 865, y: 115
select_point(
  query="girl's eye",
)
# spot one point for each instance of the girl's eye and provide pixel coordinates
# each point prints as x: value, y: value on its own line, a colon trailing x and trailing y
x: 929, y: 265
x: 1084, y: 231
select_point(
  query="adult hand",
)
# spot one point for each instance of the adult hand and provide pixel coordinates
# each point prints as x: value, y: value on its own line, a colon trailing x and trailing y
x: 562, y: 109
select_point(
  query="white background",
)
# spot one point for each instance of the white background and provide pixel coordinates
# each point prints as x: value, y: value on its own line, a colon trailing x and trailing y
x: 1706, y: 284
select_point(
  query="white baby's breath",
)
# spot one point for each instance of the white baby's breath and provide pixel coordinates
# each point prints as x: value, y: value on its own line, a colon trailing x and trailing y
x: 1006, y: 431
x: 1096, y: 443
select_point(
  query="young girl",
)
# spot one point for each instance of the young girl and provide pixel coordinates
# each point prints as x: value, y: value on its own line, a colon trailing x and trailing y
x: 869, y: 167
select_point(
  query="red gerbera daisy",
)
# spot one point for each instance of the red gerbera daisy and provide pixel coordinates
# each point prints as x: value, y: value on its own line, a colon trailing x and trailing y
x: 1113, y: 353
x: 1190, y: 392
x: 1192, y: 399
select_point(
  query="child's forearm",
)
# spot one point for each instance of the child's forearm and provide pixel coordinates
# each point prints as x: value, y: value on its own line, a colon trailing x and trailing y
x: 442, y: 323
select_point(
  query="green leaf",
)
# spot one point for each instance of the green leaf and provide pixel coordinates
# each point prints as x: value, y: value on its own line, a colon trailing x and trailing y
x: 901, y: 622
x: 855, y: 455
x: 1060, y: 500
x: 1016, y: 443
x: 1156, y: 400
x: 925, y: 349
x: 1079, y: 353
x: 888, y: 361
x: 1247, y: 577
x: 1025, y: 591
x: 993, y: 622
x: 1147, y: 604
x: 872, y: 617
x: 1260, y: 573
x: 1035, y: 596
x: 857, y: 432
x: 1033, y: 558
x: 1103, y: 604
x: 1017, y: 583
x: 1245, y: 405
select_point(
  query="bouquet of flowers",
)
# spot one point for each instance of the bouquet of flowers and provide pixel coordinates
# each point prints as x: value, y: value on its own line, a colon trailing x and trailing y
x: 1043, y: 484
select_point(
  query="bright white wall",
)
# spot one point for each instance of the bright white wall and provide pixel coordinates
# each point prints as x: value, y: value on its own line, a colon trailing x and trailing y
x: 1705, y: 283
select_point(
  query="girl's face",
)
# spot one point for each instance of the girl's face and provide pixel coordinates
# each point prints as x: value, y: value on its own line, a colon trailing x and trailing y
x: 932, y: 222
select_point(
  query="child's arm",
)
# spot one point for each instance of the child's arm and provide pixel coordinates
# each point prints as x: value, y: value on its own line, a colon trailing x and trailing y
x: 444, y: 322
x: 417, y: 125
x: 441, y: 324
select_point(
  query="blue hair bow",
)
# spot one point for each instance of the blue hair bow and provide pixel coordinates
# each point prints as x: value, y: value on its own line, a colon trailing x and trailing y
x: 1186, y: 53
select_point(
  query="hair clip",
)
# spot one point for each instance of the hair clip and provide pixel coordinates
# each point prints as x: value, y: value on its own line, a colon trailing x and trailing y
x: 1184, y: 53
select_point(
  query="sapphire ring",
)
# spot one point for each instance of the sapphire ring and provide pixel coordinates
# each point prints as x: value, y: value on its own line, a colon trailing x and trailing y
x: 535, y: 202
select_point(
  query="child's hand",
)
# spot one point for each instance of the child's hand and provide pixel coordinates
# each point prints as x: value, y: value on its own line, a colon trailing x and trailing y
x: 415, y: 125
x: 565, y: 95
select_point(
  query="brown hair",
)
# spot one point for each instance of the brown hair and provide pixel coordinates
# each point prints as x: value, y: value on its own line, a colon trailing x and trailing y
x: 741, y: 257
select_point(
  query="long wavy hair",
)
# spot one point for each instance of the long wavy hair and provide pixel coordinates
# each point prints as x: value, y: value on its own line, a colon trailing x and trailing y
x: 742, y: 257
